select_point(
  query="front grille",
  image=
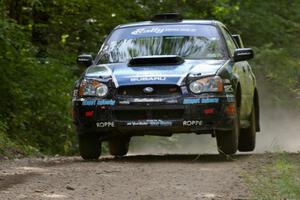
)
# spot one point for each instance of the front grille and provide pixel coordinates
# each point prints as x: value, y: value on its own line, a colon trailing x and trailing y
x: 148, y: 114
x: 158, y: 90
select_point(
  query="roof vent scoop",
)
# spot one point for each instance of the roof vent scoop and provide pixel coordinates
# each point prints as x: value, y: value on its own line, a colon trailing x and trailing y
x: 155, y: 61
x: 167, y: 17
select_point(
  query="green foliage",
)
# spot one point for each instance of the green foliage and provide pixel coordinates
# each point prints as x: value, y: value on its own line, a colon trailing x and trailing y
x: 9, y: 149
x: 273, y: 28
x: 35, y: 94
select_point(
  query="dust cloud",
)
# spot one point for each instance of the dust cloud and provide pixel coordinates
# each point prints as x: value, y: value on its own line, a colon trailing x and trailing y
x: 280, y: 131
x: 177, y: 144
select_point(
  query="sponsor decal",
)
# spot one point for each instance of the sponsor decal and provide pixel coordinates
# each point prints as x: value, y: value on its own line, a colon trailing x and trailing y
x: 105, y: 124
x: 230, y: 98
x: 172, y: 101
x: 124, y: 102
x: 149, y: 100
x: 137, y: 123
x: 106, y: 102
x: 146, y: 100
x: 139, y: 79
x: 191, y: 101
x: 226, y: 81
x: 210, y: 100
x: 159, y: 123
x: 149, y: 123
x: 202, y: 100
x: 89, y: 102
x: 192, y: 123
x: 228, y: 88
x: 98, y: 102
x: 158, y: 30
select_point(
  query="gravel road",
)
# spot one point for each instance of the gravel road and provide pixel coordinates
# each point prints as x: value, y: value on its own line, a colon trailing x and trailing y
x: 142, y: 177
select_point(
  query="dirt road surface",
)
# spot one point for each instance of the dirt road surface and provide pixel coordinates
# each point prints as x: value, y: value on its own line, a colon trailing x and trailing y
x: 142, y: 177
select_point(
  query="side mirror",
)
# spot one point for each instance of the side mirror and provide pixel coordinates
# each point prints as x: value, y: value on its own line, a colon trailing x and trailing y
x: 85, y: 60
x: 243, y: 54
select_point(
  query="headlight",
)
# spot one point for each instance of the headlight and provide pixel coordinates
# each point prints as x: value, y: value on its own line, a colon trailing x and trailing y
x: 93, y: 88
x: 208, y: 84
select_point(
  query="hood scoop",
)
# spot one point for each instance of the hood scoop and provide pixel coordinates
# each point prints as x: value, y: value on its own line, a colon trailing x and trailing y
x: 155, y: 60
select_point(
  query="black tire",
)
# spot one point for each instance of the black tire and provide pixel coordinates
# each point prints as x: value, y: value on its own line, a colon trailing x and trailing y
x: 89, y: 146
x: 247, y: 137
x: 119, y: 146
x: 227, y: 141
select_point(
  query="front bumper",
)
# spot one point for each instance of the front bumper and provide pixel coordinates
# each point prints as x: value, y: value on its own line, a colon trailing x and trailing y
x: 154, y: 116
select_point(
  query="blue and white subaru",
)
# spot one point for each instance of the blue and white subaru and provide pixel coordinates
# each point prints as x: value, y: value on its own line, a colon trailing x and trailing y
x: 167, y: 76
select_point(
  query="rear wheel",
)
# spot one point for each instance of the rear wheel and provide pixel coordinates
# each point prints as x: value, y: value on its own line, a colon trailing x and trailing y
x: 119, y: 146
x: 89, y: 146
x: 247, y: 137
x: 227, y: 141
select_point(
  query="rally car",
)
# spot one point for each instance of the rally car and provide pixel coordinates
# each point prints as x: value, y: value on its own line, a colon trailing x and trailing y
x: 167, y: 76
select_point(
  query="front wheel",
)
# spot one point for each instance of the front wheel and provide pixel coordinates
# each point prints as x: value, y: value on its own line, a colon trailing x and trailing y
x: 118, y: 146
x: 89, y: 146
x: 227, y: 141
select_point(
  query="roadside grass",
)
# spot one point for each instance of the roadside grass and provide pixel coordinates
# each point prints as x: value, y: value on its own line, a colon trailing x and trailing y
x: 10, y: 149
x: 276, y: 177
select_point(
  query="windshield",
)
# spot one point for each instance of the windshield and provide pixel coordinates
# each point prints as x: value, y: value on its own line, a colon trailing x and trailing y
x: 188, y: 41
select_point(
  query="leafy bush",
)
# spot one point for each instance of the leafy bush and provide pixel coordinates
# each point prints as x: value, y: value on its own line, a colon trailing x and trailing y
x: 35, y: 94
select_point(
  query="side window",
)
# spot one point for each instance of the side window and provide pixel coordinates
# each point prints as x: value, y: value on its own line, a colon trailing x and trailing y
x: 230, y: 43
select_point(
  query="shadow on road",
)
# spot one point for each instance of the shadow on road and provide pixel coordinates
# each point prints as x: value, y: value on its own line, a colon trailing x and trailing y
x: 205, y: 158
x: 170, y: 158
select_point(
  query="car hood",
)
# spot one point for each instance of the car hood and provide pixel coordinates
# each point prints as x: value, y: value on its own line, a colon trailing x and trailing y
x: 122, y: 74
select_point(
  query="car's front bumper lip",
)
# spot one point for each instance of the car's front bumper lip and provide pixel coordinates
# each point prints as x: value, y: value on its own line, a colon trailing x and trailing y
x: 193, y: 118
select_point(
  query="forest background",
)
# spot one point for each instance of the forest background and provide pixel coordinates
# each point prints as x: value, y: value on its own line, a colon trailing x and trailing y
x: 40, y: 40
